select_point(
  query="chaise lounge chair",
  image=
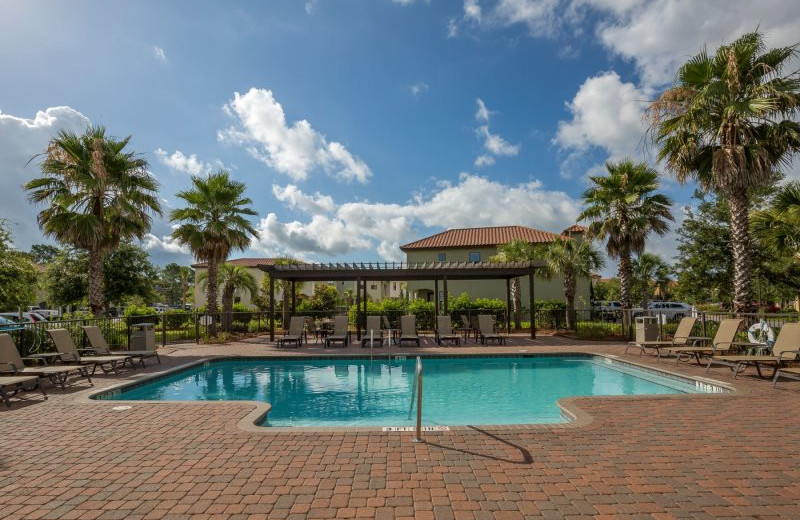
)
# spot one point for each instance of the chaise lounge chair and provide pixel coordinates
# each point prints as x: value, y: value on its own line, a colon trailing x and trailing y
x: 408, y: 329
x: 723, y: 340
x: 11, y: 362
x: 69, y: 354
x: 786, y: 348
x: 467, y: 327
x: 373, y: 326
x: 791, y: 373
x: 16, y: 384
x: 341, y: 332
x: 486, y: 330
x: 679, y: 339
x: 295, y: 334
x: 100, y: 346
x: 444, y: 331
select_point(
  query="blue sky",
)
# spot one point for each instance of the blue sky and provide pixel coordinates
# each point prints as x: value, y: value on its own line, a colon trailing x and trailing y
x: 358, y: 125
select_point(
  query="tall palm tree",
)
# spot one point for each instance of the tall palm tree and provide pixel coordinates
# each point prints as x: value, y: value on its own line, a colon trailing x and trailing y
x: 572, y: 259
x: 213, y: 224
x: 283, y: 287
x: 650, y: 275
x: 777, y: 227
x: 232, y: 278
x: 517, y: 250
x: 727, y: 123
x: 97, y: 194
x: 623, y: 208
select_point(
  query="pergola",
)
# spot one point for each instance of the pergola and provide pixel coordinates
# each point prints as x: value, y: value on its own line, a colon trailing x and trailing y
x: 361, y: 273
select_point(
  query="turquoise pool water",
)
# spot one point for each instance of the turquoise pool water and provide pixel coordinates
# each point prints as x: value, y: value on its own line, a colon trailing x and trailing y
x: 457, y: 391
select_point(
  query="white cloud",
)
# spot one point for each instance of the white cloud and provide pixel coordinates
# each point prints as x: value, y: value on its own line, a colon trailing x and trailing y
x: 310, y: 6
x: 484, y: 160
x: 166, y: 244
x: 482, y: 114
x: 418, y: 88
x: 606, y: 113
x: 159, y: 53
x: 403, y: 2
x: 20, y: 140
x: 472, y: 10
x: 178, y: 161
x: 295, y: 198
x: 473, y: 201
x: 296, y: 150
x: 452, y: 27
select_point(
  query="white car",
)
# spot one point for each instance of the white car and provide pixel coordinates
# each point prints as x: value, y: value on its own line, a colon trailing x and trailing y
x: 611, y: 310
x: 672, y: 311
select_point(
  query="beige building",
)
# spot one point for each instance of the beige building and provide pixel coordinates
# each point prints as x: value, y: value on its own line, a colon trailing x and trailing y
x: 376, y: 290
x: 252, y: 265
x: 480, y: 244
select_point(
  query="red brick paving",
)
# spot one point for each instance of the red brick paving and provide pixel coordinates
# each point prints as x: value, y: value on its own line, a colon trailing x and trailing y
x: 733, y: 456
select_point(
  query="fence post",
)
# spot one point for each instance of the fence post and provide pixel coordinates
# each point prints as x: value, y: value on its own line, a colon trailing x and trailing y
x: 164, y: 329
x: 196, y: 329
x: 703, y: 319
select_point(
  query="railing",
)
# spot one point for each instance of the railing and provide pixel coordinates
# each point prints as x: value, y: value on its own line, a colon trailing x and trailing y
x: 416, y: 389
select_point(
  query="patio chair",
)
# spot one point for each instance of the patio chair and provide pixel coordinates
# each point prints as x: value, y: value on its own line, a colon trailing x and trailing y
x: 295, y: 332
x: 786, y: 348
x: 466, y: 327
x: 444, y: 331
x: 341, y: 332
x: 391, y: 331
x: 408, y: 329
x: 790, y: 372
x: 69, y: 354
x: 374, y: 326
x: 723, y: 341
x: 100, y: 346
x: 679, y: 339
x: 311, y: 328
x: 11, y: 362
x: 16, y: 384
x: 486, y: 330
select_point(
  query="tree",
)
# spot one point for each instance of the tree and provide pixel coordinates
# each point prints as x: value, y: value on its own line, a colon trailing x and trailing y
x: 96, y: 194
x: 728, y: 123
x: 66, y: 281
x: 778, y: 226
x: 213, y: 224
x: 571, y: 258
x: 606, y: 289
x: 650, y: 276
x: 515, y: 251
x: 176, y: 281
x: 623, y: 208
x: 128, y: 273
x: 43, y: 253
x: 231, y: 278
x: 282, y: 288
x: 17, y: 274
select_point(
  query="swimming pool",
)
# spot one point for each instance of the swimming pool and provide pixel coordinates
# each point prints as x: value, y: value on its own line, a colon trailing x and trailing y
x: 360, y: 392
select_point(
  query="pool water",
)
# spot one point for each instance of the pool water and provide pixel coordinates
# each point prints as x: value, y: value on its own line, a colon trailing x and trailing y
x: 360, y: 392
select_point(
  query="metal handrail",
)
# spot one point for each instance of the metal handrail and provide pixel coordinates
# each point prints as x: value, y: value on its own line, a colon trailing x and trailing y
x: 416, y: 389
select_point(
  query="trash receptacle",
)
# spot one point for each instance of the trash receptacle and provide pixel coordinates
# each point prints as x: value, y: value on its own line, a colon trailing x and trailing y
x: 143, y: 336
x: 646, y: 328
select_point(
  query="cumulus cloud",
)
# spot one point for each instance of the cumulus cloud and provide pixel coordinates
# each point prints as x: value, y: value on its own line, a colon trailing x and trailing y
x: 166, y: 244
x: 472, y: 10
x: 606, y: 113
x: 418, y: 88
x: 295, y: 149
x: 20, y: 140
x: 295, y: 198
x: 180, y: 162
x: 358, y: 226
x: 496, y: 145
x: 484, y: 160
x: 159, y: 53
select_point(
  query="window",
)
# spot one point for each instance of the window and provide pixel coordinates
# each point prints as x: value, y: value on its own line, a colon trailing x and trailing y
x: 394, y: 286
x: 373, y: 286
x: 442, y: 257
x: 475, y: 257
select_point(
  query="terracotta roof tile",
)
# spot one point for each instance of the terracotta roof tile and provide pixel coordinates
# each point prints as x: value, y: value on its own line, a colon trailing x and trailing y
x: 487, y: 236
x: 576, y: 228
x: 246, y: 262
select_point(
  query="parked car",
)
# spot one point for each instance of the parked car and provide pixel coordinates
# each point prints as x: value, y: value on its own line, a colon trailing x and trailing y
x: 672, y: 311
x: 27, y: 317
x: 7, y: 325
x: 47, y: 313
x: 611, y: 310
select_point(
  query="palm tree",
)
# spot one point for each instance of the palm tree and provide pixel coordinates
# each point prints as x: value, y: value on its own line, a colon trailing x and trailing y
x: 778, y: 226
x: 213, y: 224
x: 650, y: 275
x: 623, y: 208
x: 727, y: 123
x: 97, y: 194
x: 572, y: 258
x: 283, y: 287
x: 517, y: 250
x: 232, y: 278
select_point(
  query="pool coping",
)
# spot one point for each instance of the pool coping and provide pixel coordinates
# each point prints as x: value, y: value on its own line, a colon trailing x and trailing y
x: 576, y: 416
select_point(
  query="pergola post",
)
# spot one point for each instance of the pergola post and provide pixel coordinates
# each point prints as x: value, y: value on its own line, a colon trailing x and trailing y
x: 435, y: 297
x: 530, y: 293
x: 364, y: 315
x: 508, y: 305
x: 358, y: 309
x: 446, y: 297
x: 272, y: 307
x: 294, y: 298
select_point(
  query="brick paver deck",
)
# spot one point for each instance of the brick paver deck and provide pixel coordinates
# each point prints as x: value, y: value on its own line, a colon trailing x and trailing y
x: 696, y: 456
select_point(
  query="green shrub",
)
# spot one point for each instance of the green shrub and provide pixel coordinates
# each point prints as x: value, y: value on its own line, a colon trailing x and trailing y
x: 177, y: 319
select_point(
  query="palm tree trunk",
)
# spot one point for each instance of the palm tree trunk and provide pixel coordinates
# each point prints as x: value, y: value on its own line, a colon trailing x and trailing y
x: 211, y: 297
x: 569, y: 295
x: 625, y: 269
x: 95, y: 281
x: 516, y: 301
x: 227, y: 308
x: 739, y: 206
